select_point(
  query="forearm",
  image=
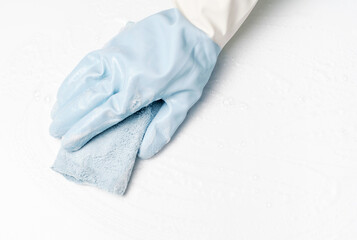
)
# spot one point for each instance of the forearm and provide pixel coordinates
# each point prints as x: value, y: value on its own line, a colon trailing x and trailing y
x: 219, y: 19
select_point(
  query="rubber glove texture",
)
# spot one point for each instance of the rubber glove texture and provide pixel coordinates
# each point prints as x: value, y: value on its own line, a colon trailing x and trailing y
x: 161, y: 57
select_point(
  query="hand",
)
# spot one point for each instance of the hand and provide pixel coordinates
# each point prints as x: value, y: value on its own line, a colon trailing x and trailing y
x: 161, y: 57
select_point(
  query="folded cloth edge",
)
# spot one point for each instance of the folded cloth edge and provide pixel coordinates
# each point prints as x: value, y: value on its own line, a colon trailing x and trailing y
x: 107, y: 161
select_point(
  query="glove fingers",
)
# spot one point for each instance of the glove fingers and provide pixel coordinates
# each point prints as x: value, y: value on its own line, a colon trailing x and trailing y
x: 67, y: 115
x: 114, y: 110
x: 89, y: 71
x: 165, y: 123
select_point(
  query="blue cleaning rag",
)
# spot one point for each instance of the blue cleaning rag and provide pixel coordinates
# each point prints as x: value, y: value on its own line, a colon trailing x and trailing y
x: 108, y: 159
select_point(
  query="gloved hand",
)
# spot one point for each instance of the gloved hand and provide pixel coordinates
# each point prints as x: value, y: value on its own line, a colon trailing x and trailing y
x: 161, y: 57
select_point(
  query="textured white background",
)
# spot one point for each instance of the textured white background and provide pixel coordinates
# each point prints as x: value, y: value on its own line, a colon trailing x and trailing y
x: 270, y: 152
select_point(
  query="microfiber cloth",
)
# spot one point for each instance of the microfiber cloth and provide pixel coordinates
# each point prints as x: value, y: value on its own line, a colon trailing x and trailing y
x: 108, y: 159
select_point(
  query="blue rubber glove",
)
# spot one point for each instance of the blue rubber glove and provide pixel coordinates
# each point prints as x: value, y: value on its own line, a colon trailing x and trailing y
x: 161, y: 57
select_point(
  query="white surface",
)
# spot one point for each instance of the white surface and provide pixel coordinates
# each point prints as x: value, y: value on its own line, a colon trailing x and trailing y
x: 218, y: 19
x: 269, y: 153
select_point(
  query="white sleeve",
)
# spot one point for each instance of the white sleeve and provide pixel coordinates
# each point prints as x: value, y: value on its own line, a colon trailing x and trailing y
x: 219, y: 19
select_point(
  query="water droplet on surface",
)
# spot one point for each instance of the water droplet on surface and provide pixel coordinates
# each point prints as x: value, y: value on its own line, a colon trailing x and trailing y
x: 47, y: 99
x: 243, y: 106
x: 36, y: 95
x: 301, y: 99
x: 228, y: 101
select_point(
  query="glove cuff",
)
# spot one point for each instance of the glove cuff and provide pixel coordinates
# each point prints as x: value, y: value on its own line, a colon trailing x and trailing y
x: 220, y: 20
